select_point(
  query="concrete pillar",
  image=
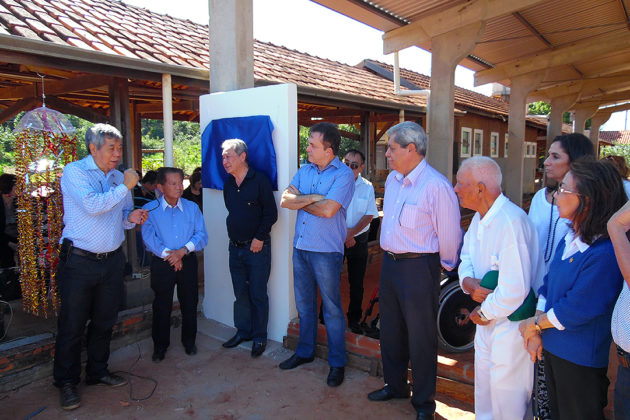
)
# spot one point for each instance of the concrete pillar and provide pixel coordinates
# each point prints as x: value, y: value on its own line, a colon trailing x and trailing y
x: 581, y: 115
x: 231, y: 45
x: 447, y: 51
x: 519, y: 89
x: 597, y: 121
x: 167, y: 118
x: 559, y: 105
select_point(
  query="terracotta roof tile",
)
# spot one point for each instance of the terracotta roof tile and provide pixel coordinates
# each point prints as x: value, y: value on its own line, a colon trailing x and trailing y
x: 38, y: 27
x: 78, y: 43
x: 54, y: 38
x: 62, y: 31
x: 124, y: 51
x: 615, y: 137
x: 21, y: 12
x: 4, y: 30
x: 9, y: 20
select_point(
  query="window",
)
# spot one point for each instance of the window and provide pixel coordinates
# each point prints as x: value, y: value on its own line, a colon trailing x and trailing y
x: 478, y: 143
x: 494, y: 145
x: 465, y: 142
x: 505, y: 148
x: 530, y: 149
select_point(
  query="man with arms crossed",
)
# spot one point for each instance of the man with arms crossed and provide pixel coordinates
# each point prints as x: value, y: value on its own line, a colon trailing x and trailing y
x: 361, y: 211
x: 500, y: 237
x: 321, y: 192
x: 175, y: 228
x: 251, y: 213
x: 97, y: 209
x: 420, y: 230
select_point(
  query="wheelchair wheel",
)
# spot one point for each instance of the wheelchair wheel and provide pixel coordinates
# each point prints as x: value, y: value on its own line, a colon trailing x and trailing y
x: 456, y: 332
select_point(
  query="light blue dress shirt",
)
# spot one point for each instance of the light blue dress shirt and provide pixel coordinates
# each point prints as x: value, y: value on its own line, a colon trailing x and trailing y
x: 96, y: 206
x: 335, y: 182
x: 172, y: 227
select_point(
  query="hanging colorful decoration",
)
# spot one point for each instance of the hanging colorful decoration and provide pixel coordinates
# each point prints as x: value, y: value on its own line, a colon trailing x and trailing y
x: 45, y: 143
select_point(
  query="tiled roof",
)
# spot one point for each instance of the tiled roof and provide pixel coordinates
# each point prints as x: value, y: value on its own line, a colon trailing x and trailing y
x: 615, y: 137
x: 116, y: 28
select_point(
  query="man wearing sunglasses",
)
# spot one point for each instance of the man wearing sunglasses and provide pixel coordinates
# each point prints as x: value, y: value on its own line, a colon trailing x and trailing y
x: 361, y: 211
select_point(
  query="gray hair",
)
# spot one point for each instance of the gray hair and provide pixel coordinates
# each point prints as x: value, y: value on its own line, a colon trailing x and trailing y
x: 97, y: 133
x: 409, y: 132
x: 237, y: 145
x: 484, y: 170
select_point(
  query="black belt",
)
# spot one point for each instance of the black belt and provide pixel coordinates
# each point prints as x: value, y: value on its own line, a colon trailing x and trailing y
x: 94, y: 255
x: 408, y: 255
x: 240, y: 244
x: 624, y: 357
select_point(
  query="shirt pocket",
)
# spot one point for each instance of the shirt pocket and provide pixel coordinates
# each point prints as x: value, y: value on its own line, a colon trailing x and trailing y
x: 409, y: 215
x: 360, y: 206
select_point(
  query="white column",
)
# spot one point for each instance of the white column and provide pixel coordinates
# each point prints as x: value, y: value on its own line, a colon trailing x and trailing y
x: 581, y: 115
x: 519, y: 89
x: 447, y: 51
x: 167, y: 117
x: 231, y: 45
x: 559, y: 105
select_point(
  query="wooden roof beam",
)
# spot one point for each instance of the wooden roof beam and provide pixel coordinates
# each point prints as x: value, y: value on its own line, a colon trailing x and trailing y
x: 54, y: 87
x: 607, y: 99
x: 617, y: 108
x: 16, y: 108
x: 448, y: 20
x: 586, y: 87
x: 177, y: 106
x: 66, y: 107
x: 573, y: 52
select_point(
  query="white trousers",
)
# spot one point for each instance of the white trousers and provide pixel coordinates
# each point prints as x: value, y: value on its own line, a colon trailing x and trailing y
x: 504, y: 373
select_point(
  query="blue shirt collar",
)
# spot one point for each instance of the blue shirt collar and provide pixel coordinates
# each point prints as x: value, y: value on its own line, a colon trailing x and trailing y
x: 165, y: 205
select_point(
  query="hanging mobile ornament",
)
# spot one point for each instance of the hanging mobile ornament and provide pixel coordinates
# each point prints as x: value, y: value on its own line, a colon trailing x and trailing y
x: 45, y: 143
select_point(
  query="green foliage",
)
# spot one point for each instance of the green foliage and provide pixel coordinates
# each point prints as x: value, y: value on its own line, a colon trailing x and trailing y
x: 539, y: 108
x: 566, y: 118
x: 618, y: 150
x: 186, y: 145
x: 7, y: 144
x: 346, y: 143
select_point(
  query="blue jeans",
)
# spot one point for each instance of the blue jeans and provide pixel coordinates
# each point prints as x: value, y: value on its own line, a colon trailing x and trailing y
x: 622, y: 394
x: 250, y: 274
x: 323, y: 270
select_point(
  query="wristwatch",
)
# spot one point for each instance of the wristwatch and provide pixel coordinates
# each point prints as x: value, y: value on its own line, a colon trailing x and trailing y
x: 482, y: 316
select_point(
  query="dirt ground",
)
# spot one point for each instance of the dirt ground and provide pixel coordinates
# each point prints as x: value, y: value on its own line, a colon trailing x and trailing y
x: 218, y: 383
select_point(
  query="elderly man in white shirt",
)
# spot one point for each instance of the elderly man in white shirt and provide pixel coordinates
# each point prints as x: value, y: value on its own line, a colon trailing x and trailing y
x: 500, y: 237
x: 361, y: 211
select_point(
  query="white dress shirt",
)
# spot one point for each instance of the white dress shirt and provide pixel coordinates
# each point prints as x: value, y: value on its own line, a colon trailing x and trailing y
x: 504, y: 240
x: 363, y: 203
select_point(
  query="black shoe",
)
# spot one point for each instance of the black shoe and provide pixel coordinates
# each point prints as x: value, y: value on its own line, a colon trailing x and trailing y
x: 385, y: 394
x: 192, y: 350
x: 111, y: 380
x: 355, y: 328
x: 258, y: 349
x: 425, y: 416
x: 335, y: 376
x: 158, y: 355
x: 69, y: 397
x: 234, y: 341
x: 295, y: 361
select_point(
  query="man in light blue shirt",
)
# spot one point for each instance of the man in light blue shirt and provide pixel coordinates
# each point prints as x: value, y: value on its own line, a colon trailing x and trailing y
x: 97, y: 208
x: 321, y: 192
x: 175, y: 228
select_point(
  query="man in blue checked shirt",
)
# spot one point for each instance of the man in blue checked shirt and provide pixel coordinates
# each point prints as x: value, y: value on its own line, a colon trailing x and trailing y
x: 97, y: 209
x: 175, y: 228
x: 321, y: 192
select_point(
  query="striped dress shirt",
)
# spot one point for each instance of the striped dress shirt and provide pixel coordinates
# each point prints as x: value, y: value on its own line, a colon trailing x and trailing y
x: 421, y: 214
x: 96, y: 206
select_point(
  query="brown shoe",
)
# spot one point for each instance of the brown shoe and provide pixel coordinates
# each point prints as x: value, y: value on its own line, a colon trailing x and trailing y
x: 69, y: 397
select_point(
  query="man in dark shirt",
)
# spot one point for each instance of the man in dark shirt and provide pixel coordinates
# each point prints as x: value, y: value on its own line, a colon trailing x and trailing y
x: 251, y: 213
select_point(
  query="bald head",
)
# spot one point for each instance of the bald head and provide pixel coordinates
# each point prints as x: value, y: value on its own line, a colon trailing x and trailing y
x: 478, y: 183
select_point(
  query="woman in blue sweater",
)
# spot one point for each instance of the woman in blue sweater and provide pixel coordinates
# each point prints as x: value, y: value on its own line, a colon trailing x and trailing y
x: 571, y: 326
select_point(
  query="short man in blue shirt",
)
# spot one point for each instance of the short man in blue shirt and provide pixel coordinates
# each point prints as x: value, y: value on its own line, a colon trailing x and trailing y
x: 175, y: 228
x: 252, y: 212
x: 321, y: 192
x: 97, y: 209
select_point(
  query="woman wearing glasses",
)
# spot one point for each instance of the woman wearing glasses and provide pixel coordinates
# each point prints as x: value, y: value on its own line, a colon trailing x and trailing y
x: 551, y: 228
x: 575, y: 304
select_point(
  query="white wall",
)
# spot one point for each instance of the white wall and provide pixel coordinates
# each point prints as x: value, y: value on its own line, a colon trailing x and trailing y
x: 280, y: 103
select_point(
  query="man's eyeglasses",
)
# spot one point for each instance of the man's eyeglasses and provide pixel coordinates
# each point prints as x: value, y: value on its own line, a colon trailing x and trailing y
x: 352, y: 165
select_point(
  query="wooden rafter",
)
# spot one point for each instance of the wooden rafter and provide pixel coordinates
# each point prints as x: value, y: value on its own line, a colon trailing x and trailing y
x: 70, y: 108
x: 16, y: 108
x: 55, y: 87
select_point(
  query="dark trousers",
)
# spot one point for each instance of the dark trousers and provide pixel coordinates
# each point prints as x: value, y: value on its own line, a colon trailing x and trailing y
x: 163, y: 281
x: 408, y: 299
x: 622, y: 394
x: 575, y: 392
x: 357, y: 257
x: 250, y: 274
x: 91, y: 290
